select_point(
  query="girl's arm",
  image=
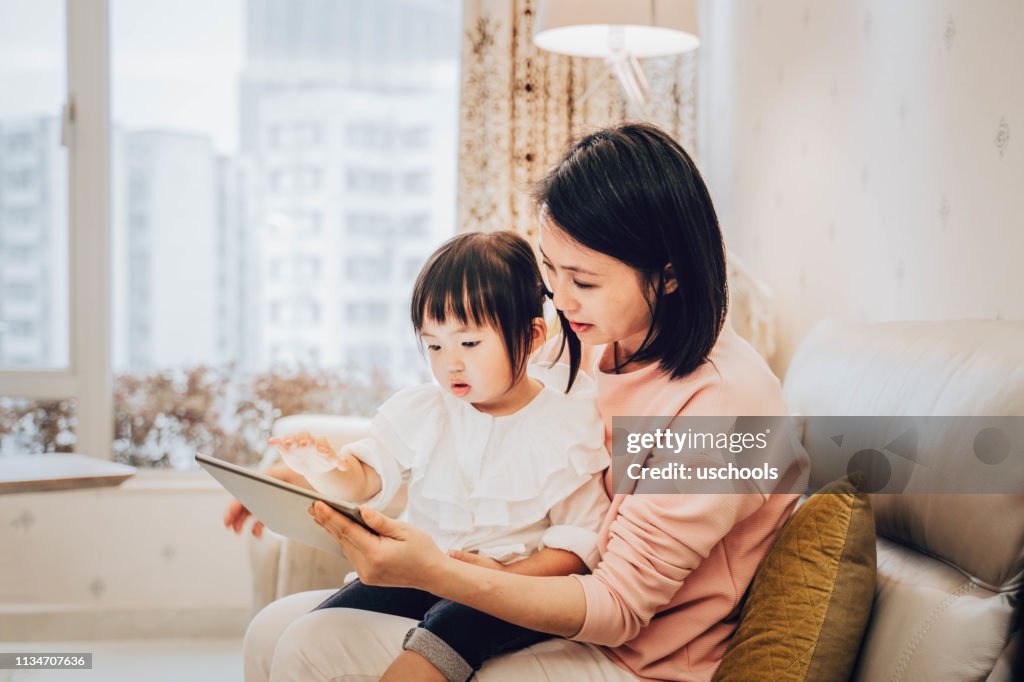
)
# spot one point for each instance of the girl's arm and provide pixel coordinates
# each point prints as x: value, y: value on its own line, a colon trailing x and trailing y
x: 569, y: 545
x: 352, y: 480
x: 548, y: 561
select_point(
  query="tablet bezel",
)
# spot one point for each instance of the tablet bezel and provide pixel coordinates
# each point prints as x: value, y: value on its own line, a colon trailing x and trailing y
x: 349, y: 510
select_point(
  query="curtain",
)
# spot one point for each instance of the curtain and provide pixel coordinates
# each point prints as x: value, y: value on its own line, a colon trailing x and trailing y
x: 520, y: 109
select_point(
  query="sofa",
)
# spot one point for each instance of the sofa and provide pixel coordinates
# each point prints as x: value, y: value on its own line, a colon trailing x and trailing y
x: 950, y: 566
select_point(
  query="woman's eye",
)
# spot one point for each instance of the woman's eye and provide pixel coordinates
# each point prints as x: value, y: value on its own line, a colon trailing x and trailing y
x: 548, y: 266
x: 581, y: 285
x: 470, y: 344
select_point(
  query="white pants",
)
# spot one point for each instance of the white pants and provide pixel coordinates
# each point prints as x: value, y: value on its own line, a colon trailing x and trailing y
x: 286, y: 641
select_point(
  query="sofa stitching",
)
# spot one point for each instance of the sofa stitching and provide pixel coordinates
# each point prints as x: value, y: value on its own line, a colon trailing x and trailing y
x: 911, y: 647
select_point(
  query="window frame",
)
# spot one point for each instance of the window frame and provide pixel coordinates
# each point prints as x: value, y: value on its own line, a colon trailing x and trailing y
x: 86, y: 134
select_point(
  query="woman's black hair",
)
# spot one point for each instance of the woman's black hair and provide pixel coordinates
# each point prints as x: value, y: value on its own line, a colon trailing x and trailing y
x: 487, y: 279
x: 633, y: 193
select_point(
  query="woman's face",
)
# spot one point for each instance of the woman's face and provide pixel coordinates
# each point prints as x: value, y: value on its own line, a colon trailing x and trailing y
x: 602, y: 297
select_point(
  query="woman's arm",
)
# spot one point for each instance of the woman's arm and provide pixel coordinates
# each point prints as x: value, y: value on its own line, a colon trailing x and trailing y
x: 655, y: 542
x: 399, y: 555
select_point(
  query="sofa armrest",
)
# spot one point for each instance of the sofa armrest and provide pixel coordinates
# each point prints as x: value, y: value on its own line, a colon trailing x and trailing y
x: 282, y: 566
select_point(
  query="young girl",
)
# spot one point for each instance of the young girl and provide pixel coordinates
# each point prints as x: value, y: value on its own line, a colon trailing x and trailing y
x: 501, y: 462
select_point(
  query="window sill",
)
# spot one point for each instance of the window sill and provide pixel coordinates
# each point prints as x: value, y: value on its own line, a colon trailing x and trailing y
x: 146, y: 480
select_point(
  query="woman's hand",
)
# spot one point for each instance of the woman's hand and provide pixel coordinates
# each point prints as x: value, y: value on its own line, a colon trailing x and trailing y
x: 236, y: 513
x: 398, y: 556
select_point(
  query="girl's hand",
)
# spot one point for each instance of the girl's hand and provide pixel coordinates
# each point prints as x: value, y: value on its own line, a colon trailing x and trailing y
x: 309, y: 455
x: 476, y: 559
x: 399, y: 555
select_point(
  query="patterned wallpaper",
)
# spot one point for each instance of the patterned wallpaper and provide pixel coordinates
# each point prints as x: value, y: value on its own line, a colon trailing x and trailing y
x: 867, y: 157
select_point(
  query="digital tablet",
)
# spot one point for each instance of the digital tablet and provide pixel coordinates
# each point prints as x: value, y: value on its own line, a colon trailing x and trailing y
x: 282, y: 507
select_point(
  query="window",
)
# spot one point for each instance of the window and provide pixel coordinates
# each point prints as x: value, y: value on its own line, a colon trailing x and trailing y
x: 229, y: 144
x: 367, y: 312
x: 369, y: 225
x: 417, y: 225
x: 413, y: 267
x: 21, y: 291
x: 38, y: 405
x: 20, y: 142
x: 370, y: 180
x: 292, y: 224
x: 368, y: 269
x: 417, y: 182
x: 33, y: 178
x: 416, y: 138
x: 368, y: 357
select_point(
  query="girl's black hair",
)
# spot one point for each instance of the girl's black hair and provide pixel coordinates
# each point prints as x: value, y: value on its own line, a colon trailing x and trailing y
x: 633, y: 193
x: 487, y: 278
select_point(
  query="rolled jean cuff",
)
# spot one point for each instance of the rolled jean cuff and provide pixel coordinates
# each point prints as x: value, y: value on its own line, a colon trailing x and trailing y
x: 441, y: 656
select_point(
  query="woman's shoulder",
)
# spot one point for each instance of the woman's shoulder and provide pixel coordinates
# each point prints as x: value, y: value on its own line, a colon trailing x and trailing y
x: 736, y: 380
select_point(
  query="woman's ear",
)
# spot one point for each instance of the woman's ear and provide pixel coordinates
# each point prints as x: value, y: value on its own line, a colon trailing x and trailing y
x: 668, y: 276
x: 538, y: 334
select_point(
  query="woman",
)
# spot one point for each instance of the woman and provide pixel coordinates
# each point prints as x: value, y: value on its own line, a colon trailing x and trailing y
x: 634, y: 257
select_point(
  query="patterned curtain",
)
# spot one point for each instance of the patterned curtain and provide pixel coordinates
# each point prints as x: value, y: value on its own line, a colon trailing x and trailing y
x: 521, y: 108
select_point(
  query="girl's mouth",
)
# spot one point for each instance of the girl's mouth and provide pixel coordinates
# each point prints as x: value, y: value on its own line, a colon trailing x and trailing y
x: 580, y: 327
x: 460, y: 389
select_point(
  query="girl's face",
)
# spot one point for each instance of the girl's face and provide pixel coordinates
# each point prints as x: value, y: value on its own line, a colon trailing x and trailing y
x: 469, y: 361
x: 602, y: 297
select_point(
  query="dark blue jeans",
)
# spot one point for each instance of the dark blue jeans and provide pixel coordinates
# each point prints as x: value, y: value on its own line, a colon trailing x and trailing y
x: 472, y: 634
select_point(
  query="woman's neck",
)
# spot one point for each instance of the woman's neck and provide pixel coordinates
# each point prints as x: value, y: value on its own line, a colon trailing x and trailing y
x: 514, y: 399
x: 613, y: 360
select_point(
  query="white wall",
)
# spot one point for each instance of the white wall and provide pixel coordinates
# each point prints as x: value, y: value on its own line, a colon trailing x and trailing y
x: 867, y: 156
x: 150, y: 558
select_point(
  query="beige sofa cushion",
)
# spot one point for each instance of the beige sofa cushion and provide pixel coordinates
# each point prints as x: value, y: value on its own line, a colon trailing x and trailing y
x: 948, y: 565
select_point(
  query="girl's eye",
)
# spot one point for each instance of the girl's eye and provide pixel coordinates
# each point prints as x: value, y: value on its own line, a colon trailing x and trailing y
x: 548, y: 266
x: 470, y: 344
x: 433, y: 347
x: 581, y: 285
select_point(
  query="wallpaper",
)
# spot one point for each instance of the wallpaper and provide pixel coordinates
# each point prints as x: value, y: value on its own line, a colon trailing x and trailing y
x: 867, y: 157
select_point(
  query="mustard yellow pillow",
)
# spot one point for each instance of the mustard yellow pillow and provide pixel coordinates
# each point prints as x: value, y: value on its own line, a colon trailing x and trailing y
x: 811, y: 597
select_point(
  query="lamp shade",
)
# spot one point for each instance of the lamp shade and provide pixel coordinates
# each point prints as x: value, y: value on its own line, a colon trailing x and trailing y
x: 596, y: 28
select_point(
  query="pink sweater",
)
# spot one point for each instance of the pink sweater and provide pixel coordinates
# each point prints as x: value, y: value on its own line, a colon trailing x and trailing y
x: 664, y: 599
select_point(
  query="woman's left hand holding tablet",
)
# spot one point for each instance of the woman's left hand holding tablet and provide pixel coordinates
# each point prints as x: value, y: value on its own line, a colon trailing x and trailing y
x: 399, y: 555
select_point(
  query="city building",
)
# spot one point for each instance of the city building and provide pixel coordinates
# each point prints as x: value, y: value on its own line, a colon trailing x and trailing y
x: 33, y: 245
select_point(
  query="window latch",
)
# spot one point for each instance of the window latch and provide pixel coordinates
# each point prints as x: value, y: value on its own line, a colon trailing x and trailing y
x: 67, y: 122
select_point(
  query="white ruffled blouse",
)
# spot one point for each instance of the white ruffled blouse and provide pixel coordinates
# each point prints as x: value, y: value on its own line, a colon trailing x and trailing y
x: 504, y: 486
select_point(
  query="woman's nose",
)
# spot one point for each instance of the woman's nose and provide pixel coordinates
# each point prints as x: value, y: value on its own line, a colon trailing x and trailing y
x: 561, y: 299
